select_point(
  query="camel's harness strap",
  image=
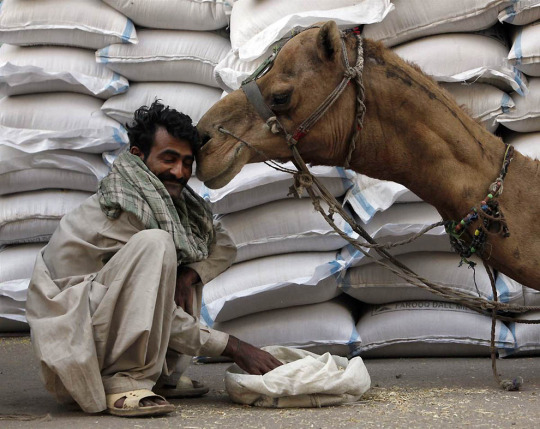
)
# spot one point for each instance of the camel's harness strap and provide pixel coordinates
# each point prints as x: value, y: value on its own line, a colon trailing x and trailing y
x: 304, y: 180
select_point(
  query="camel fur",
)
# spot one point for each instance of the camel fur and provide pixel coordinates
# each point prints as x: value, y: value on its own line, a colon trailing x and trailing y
x: 414, y: 133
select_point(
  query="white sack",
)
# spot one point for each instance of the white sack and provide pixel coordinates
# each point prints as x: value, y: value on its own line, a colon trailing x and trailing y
x: 375, y: 284
x: 199, y: 15
x: 29, y: 70
x: 35, y: 123
x: 284, y: 226
x: 256, y: 25
x: 525, y: 51
x: 525, y: 118
x: 272, y: 282
x: 85, y: 23
x: 231, y: 71
x: 17, y: 262
x: 526, y: 143
x: 304, y: 380
x: 168, y: 56
x: 12, y: 305
x: 369, y: 196
x: 401, y: 222
x: 467, y: 58
x: 527, y: 336
x: 412, y: 19
x: 530, y: 296
x: 61, y: 169
x: 31, y: 217
x: 259, y: 184
x: 190, y: 98
x: 428, y: 329
x: 482, y: 101
x: 319, y: 328
x: 521, y: 12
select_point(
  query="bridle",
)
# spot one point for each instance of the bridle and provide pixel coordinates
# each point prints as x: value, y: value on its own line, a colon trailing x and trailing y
x: 255, y: 97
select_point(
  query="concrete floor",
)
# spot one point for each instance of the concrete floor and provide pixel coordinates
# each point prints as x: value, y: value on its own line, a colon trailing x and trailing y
x: 405, y: 393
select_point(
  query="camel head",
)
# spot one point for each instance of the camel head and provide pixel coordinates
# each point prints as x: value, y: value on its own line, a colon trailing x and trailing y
x: 306, y: 70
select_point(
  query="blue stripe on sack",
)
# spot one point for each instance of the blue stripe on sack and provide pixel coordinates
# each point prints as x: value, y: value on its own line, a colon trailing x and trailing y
x: 517, y: 47
x: 511, y: 12
x: 345, y: 284
x: 115, y: 78
x: 206, y: 315
x: 102, y: 55
x: 505, y: 103
x: 347, y: 183
x: 336, y: 266
x: 353, y: 340
x: 118, y: 137
x: 368, y: 208
x: 502, y: 290
x: 503, y: 334
x: 519, y: 81
x: 128, y: 31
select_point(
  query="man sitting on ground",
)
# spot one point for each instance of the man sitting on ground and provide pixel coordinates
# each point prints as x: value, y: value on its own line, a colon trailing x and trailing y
x: 115, y: 297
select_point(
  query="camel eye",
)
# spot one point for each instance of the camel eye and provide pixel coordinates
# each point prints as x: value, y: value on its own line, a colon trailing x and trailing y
x: 280, y: 100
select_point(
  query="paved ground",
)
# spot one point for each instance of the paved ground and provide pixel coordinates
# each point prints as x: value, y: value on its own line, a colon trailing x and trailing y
x: 405, y: 393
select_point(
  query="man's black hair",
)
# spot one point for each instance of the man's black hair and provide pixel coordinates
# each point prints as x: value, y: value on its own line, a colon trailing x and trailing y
x: 147, y: 120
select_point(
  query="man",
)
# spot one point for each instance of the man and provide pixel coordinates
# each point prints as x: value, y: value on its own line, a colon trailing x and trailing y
x: 114, y: 300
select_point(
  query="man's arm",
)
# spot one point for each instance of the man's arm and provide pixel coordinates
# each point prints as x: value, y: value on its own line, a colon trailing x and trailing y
x: 221, y: 255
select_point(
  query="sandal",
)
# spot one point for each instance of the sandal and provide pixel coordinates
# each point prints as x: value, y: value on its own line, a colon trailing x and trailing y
x: 132, y: 405
x: 185, y: 388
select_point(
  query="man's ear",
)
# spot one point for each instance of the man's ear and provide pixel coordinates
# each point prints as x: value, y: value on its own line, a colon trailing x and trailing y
x: 329, y: 41
x: 135, y: 150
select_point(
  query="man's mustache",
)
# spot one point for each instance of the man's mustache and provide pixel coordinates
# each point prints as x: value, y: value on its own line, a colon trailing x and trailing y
x: 170, y: 178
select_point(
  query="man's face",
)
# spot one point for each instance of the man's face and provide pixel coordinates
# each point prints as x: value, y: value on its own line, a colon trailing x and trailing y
x: 170, y: 159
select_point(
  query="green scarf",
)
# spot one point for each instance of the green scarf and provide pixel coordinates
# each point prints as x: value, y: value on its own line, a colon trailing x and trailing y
x: 133, y: 188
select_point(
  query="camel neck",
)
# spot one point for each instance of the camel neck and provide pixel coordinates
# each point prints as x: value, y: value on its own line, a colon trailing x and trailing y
x: 415, y: 134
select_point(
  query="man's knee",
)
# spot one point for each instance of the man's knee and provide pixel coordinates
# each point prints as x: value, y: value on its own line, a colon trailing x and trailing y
x: 154, y: 240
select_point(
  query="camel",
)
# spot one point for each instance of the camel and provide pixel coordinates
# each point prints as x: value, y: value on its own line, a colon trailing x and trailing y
x: 413, y: 133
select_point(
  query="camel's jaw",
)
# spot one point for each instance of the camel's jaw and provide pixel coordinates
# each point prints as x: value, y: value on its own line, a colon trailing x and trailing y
x: 219, y: 163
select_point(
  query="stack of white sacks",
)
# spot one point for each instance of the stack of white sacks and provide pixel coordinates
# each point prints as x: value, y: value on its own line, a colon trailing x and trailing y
x: 295, y: 282
x: 52, y: 131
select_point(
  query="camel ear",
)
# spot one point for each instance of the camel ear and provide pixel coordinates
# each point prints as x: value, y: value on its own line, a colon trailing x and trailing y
x: 329, y: 41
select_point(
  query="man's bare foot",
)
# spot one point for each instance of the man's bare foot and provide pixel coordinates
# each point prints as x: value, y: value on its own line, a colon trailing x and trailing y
x: 145, y: 402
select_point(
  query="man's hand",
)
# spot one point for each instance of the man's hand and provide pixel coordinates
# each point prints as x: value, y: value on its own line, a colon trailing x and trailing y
x: 183, y: 295
x: 251, y: 359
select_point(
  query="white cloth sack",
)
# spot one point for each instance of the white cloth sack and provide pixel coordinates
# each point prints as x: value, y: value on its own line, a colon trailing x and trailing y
x: 168, y: 56
x: 17, y: 262
x: 325, y: 327
x: 412, y: 19
x: 199, y: 15
x: 525, y: 51
x: 61, y: 169
x: 369, y: 196
x: 521, y: 12
x: 256, y: 25
x: 258, y: 184
x: 284, y: 226
x: 527, y: 336
x: 398, y: 223
x: 467, y: 58
x: 482, y: 101
x: 304, y: 380
x: 375, y: 284
x: 531, y: 296
x: 428, y: 329
x: 31, y: 217
x: 525, y: 118
x: 35, y: 123
x: 190, y: 98
x: 87, y: 23
x: 12, y: 305
x: 29, y: 70
x: 526, y: 143
x: 272, y: 282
